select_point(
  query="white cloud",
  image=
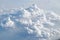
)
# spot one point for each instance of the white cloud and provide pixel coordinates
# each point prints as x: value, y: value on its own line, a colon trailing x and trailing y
x: 31, y: 22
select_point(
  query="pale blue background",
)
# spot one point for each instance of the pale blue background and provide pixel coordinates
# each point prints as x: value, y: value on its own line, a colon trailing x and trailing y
x: 53, y: 5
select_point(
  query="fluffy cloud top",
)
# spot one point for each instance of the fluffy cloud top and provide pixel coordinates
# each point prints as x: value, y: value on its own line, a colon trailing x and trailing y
x: 32, y: 23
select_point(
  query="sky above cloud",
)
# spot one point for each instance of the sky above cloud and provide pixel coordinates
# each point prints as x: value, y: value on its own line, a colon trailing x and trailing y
x: 53, y: 5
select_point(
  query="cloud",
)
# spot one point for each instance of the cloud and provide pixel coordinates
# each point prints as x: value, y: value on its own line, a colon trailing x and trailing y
x: 24, y: 24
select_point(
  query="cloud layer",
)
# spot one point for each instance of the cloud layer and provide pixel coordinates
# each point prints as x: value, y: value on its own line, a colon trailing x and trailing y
x: 32, y: 23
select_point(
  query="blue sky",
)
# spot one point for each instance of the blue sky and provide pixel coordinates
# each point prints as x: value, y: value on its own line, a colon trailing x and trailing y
x: 53, y: 5
x: 14, y: 3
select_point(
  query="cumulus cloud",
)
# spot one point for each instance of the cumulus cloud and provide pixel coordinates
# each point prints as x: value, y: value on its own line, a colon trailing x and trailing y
x: 29, y: 23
